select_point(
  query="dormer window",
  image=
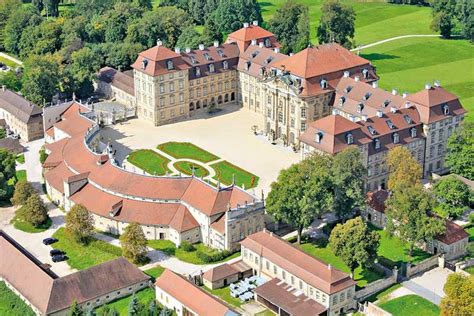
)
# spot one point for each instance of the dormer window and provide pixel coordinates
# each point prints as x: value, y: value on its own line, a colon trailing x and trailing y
x: 169, y: 65
x: 262, y: 71
x: 225, y: 64
x: 445, y: 109
x: 144, y: 63
x: 220, y: 53
x: 350, y: 139
x: 360, y: 107
x: 206, y: 56
x: 324, y: 84
x: 407, y: 119
x: 193, y: 59
x: 372, y: 130
x: 377, y: 143
x: 342, y: 100
x: 247, y: 65
x: 390, y: 124
x: 267, y: 42
x: 413, y: 132
x: 255, y: 53
x: 197, y: 70
x: 367, y: 96
x: 269, y: 59
x: 348, y: 89
x: 396, y: 138
x: 211, y: 68
x: 318, y: 137
x: 365, y: 73
x: 386, y: 103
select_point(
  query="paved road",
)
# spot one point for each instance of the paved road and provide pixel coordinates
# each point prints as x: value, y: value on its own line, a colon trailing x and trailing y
x: 430, y: 284
x: 393, y: 39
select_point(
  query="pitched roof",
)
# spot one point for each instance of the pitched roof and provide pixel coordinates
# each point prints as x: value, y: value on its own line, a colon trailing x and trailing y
x: 432, y: 96
x: 18, y: 106
x: 153, y: 61
x: 376, y: 200
x: 452, y: 234
x: 320, y: 60
x: 249, y: 33
x: 219, y: 272
x: 159, y: 52
x: 122, y: 80
x: 191, y: 296
x: 297, y: 262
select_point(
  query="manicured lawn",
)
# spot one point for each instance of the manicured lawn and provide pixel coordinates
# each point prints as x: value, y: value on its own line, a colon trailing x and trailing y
x: 410, y: 305
x: 470, y: 231
x: 187, y: 150
x: 392, y: 251
x: 266, y: 312
x: 224, y: 294
x: 225, y: 171
x: 372, y: 18
x: 85, y: 256
x: 11, y: 304
x: 382, y: 295
x: 150, y: 161
x: 187, y: 168
x: 410, y: 63
x: 144, y: 296
x: 325, y: 254
x: 28, y: 228
x: 470, y: 270
x: 155, y: 272
x: 21, y: 175
x: 188, y: 256
x: 20, y: 158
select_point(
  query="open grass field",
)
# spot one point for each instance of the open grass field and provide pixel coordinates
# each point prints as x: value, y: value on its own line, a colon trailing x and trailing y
x: 28, y: 228
x: 11, y: 304
x: 150, y: 161
x: 325, y: 254
x: 225, y: 172
x: 144, y: 296
x: 375, y: 19
x: 85, y: 256
x: 410, y: 305
x: 187, y: 150
x: 187, y: 167
x: 408, y: 64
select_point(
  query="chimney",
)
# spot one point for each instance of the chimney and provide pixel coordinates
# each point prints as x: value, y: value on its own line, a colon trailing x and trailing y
x: 394, y: 91
x: 4, y: 88
x: 404, y: 95
x: 379, y: 113
x: 291, y: 54
x: 352, y: 118
x: 159, y: 43
x: 260, y: 44
x: 375, y: 84
x: 255, y: 23
x: 216, y: 43
x: 437, y: 84
x: 365, y: 117
x: 346, y: 74
x: 334, y: 111
x: 356, y: 78
x: 201, y: 46
x: 427, y: 86
x: 329, y: 267
x: 393, y: 109
x: 407, y: 105
x: 188, y: 50
x: 253, y: 42
x: 177, y: 50
x: 276, y: 50
x: 246, y: 25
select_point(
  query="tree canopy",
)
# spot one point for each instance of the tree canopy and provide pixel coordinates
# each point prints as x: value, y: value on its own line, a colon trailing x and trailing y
x: 7, y: 174
x: 336, y: 23
x: 454, y: 195
x: 460, y: 153
x: 134, y: 243
x: 79, y: 223
x: 34, y: 211
x: 23, y: 190
x: 404, y: 169
x: 459, y: 298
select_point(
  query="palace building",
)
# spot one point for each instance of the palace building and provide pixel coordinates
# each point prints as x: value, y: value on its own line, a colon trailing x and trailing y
x: 80, y: 169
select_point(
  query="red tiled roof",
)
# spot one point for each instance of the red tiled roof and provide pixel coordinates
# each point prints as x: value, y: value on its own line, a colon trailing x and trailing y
x: 156, y: 58
x: 249, y: 33
x: 191, y: 296
x: 376, y: 200
x: 453, y: 233
x: 220, y: 272
x: 297, y: 262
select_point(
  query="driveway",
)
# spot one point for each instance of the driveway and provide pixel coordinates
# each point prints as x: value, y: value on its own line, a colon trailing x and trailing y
x: 228, y: 135
x: 32, y: 163
x: 430, y: 284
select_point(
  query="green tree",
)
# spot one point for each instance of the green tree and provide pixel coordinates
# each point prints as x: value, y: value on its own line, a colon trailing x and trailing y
x: 211, y: 33
x: 231, y: 14
x: 11, y: 80
x: 409, y: 216
x: 3, y: 134
x: 404, y: 170
x: 23, y: 190
x: 40, y: 78
x: 41, y: 39
x: 302, y: 192
x: 7, y: 173
x: 465, y: 16
x: 460, y: 153
x: 134, y: 306
x: 443, y: 23
x: 134, y: 243
x: 354, y: 243
x: 454, y: 195
x: 349, y: 177
x: 459, y: 298
x: 189, y: 38
x: 196, y: 10
x: 173, y: 21
x: 6, y: 9
x: 75, y: 310
x: 282, y: 24
x: 17, y: 22
x: 116, y: 21
x: 34, y: 211
x: 83, y: 69
x: 336, y: 23
x: 42, y: 155
x: 79, y: 223
x: 91, y: 7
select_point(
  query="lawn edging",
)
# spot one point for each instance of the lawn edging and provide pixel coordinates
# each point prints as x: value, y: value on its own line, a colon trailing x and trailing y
x: 187, y: 150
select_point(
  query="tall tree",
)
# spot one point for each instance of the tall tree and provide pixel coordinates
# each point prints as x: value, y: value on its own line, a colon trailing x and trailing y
x: 75, y: 310
x: 231, y: 14
x: 117, y: 20
x: 282, y: 24
x: 7, y: 173
x: 34, y: 211
x: 465, y: 16
x: 134, y: 243
x: 41, y: 39
x: 16, y: 24
x: 354, y: 243
x: 11, y: 80
x: 302, y: 192
x: 134, y: 306
x: 79, y: 223
x: 461, y: 151
x: 211, y: 33
x: 409, y: 216
x: 454, y: 195
x: 349, y: 177
x: 336, y: 23
x: 189, y: 38
x: 83, y: 69
x: 404, y: 170
x: 443, y: 23
x: 6, y: 9
x: 459, y: 298
x: 23, y: 190
x: 40, y: 78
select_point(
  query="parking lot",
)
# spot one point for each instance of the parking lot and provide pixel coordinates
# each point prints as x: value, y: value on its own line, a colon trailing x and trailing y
x: 228, y: 135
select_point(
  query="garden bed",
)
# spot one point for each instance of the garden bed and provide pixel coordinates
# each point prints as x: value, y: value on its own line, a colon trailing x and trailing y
x: 28, y: 227
x: 187, y: 167
x: 149, y: 161
x: 226, y: 172
x: 187, y: 150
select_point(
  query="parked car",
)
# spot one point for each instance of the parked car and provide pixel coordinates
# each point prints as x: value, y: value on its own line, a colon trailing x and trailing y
x: 49, y: 240
x: 59, y: 258
x: 56, y: 252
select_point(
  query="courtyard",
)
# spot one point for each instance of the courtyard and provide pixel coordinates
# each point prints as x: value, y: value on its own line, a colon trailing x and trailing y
x: 225, y: 142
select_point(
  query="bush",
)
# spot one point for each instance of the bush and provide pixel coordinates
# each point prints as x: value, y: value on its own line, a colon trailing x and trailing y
x: 471, y: 218
x: 213, y: 257
x: 43, y: 155
x: 187, y: 246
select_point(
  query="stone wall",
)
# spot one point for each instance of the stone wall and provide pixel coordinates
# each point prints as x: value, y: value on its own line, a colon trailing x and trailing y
x: 377, y: 286
x: 373, y: 310
x: 425, y: 265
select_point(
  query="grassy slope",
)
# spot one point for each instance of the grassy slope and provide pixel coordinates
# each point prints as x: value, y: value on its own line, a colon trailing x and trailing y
x: 410, y: 305
x: 370, y: 16
x: 150, y: 161
x: 187, y: 150
x: 11, y: 304
x: 81, y: 256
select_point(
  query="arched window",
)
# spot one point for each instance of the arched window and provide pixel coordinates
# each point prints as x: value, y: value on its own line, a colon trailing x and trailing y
x: 232, y: 96
x: 341, y: 101
x: 169, y: 65
x: 191, y: 106
x: 318, y: 137
x: 219, y: 99
x: 396, y: 138
x: 198, y: 104
x: 413, y: 132
x: 226, y: 98
x: 445, y: 109
x: 377, y: 143
x: 365, y: 73
x: 211, y: 68
x: 350, y: 139
x: 324, y: 84
x: 225, y: 64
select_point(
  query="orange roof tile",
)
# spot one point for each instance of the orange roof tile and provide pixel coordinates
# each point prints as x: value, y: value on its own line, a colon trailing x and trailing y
x: 249, y: 33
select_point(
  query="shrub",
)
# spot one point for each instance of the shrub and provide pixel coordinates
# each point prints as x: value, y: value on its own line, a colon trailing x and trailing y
x: 187, y: 246
x: 23, y: 190
x: 213, y: 257
x: 43, y: 155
